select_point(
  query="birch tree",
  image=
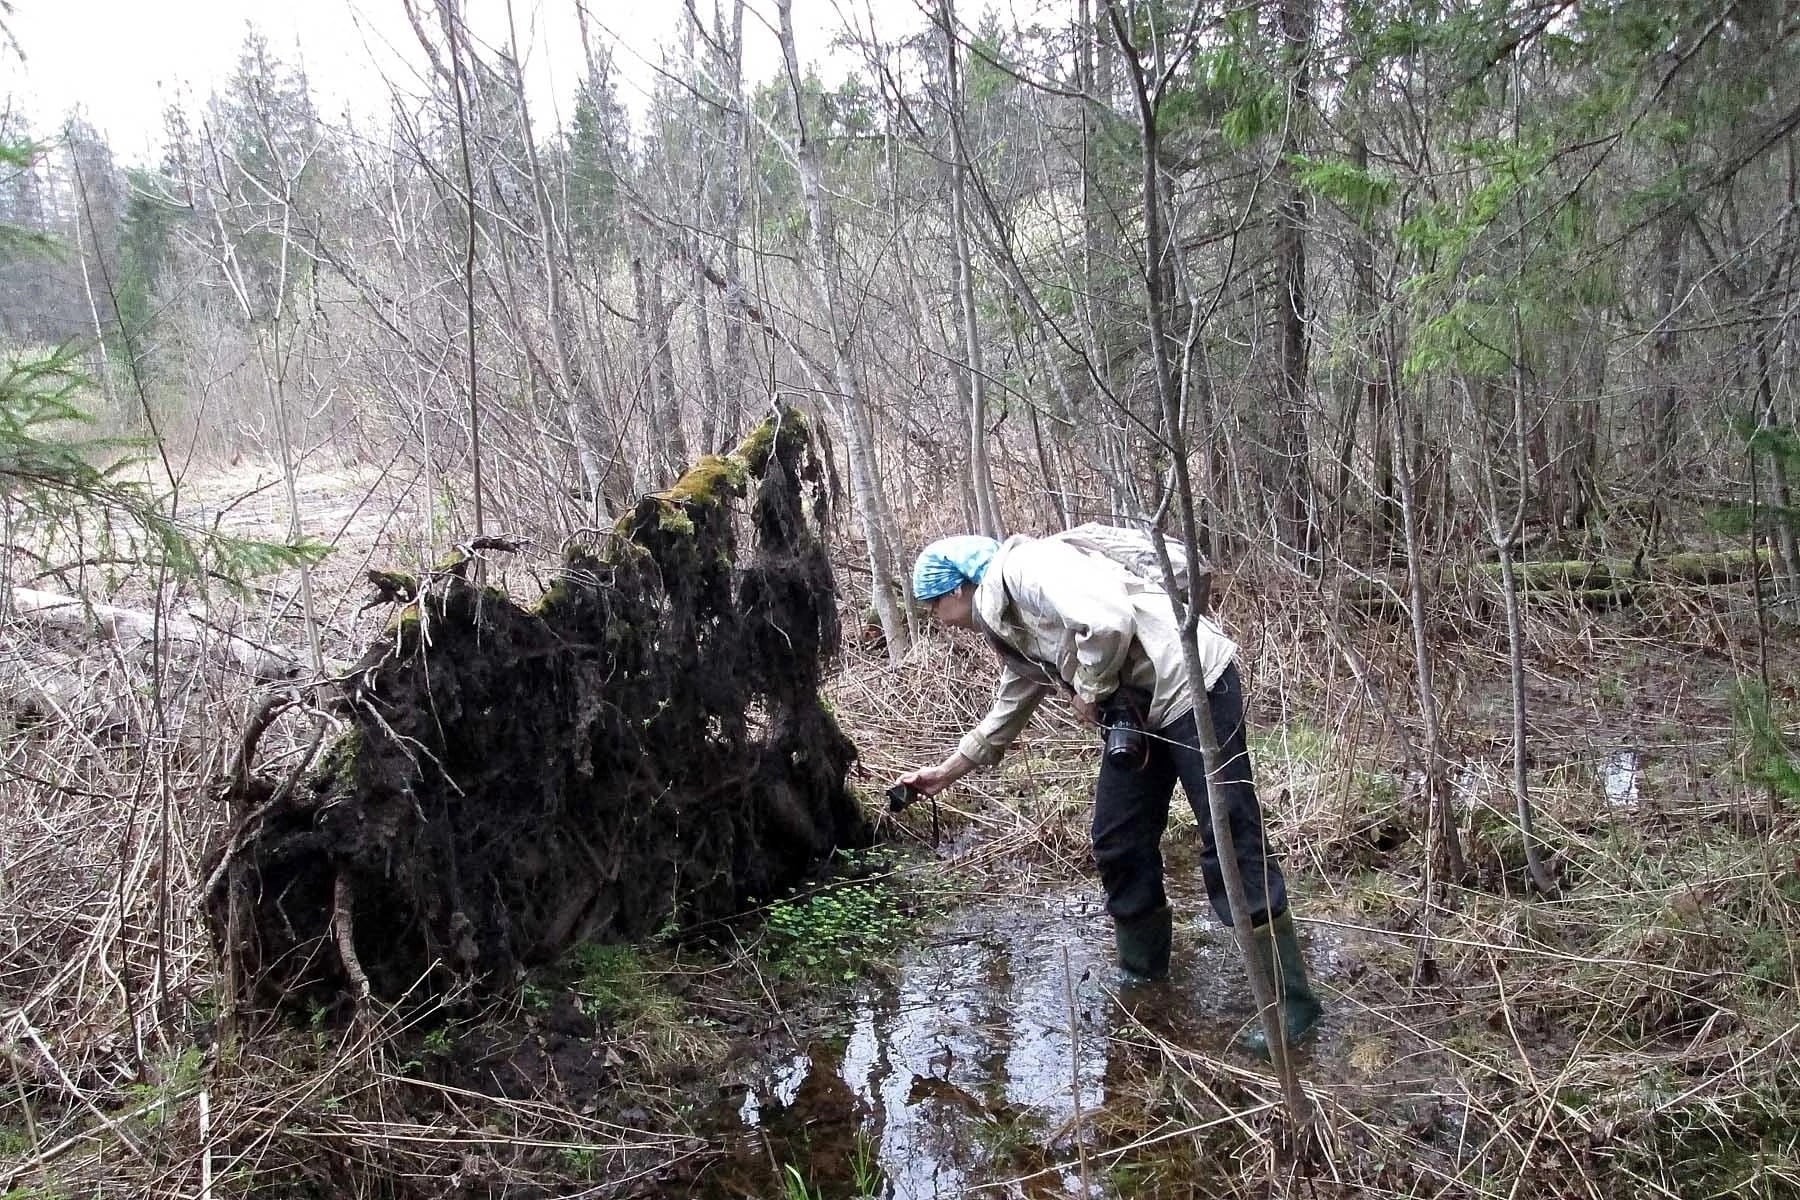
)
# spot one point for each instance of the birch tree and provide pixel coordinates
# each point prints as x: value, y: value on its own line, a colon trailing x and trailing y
x: 835, y: 309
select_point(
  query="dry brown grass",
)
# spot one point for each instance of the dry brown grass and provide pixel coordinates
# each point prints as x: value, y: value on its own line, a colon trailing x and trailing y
x: 1635, y: 1035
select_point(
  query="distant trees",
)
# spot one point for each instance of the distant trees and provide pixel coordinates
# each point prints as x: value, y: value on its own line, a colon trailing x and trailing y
x: 1534, y: 262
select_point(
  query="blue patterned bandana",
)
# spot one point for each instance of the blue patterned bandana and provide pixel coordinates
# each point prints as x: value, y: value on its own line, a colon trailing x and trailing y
x: 950, y: 562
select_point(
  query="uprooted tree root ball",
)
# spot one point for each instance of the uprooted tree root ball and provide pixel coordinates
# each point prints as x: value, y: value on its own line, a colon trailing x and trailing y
x: 644, y: 748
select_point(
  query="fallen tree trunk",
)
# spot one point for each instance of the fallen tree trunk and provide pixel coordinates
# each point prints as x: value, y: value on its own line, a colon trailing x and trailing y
x: 43, y: 685
x: 643, y: 748
x: 131, y: 627
x: 1594, y: 582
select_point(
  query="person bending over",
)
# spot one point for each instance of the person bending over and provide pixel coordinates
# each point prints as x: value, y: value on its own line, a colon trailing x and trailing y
x: 1064, y: 618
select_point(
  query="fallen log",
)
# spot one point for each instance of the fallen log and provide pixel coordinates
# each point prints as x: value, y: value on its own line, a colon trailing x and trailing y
x: 1595, y: 583
x: 1702, y: 569
x: 45, y: 686
x: 133, y: 627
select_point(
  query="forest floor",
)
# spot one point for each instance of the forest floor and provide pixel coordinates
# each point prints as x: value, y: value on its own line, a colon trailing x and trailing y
x: 936, y: 1018
x: 1632, y: 1035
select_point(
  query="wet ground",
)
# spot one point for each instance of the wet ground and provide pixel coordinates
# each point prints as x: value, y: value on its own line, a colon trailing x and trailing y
x: 986, y: 1064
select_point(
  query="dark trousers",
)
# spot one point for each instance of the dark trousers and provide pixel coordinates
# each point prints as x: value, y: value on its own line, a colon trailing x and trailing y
x: 1131, y: 809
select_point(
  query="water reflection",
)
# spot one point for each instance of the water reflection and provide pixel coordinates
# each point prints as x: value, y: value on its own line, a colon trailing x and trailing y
x: 1619, y: 778
x: 962, y: 1075
x: 975, y: 1052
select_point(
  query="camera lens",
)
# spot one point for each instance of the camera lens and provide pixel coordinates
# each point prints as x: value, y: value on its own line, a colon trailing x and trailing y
x: 1125, y: 745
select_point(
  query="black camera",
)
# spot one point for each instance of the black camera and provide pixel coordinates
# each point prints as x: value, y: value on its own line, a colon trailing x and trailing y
x: 899, y: 797
x: 1122, y: 718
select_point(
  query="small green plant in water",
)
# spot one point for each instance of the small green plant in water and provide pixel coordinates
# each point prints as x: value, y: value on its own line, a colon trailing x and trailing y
x: 794, y: 1185
x: 15, y: 1141
x: 618, y: 988
x: 1299, y: 744
x: 1767, y: 959
x: 866, y: 1174
x: 836, y: 934
x: 871, y: 860
x: 583, y: 1162
x: 176, y: 1078
x: 615, y: 984
x: 1005, y: 1136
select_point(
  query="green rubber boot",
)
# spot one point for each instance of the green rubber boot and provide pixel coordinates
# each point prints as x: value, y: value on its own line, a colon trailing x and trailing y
x: 1299, y: 1006
x: 1143, y: 944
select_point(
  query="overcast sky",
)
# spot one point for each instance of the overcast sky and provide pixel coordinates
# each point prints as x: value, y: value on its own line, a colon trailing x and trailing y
x: 122, y: 62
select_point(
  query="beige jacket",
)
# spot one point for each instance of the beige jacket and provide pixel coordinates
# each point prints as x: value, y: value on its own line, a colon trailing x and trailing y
x: 1090, y: 621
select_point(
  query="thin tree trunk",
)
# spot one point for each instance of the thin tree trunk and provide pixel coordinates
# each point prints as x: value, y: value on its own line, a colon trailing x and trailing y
x: 663, y: 368
x: 1780, y: 498
x: 452, y: 19
x: 1662, y: 365
x: 1780, y: 281
x: 1440, y: 830
x: 712, y: 406
x: 590, y: 452
x: 87, y: 288
x: 1095, y: 64
x: 699, y: 215
x: 738, y: 386
x: 1159, y: 296
x: 1295, y: 506
x: 1506, y: 541
x: 1049, y: 473
x: 1387, y: 512
x: 658, y: 367
x: 981, y: 478
x: 865, y: 481
x: 1369, y: 391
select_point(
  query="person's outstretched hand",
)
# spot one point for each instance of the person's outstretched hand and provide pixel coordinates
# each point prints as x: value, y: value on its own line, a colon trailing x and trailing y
x: 928, y: 781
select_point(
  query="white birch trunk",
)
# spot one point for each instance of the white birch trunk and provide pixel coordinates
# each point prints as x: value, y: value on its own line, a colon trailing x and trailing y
x: 865, y: 479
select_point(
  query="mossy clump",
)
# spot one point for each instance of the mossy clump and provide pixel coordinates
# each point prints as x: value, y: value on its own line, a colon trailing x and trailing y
x: 786, y: 428
x: 644, y: 747
x: 710, y: 481
x: 392, y: 586
x: 404, y: 623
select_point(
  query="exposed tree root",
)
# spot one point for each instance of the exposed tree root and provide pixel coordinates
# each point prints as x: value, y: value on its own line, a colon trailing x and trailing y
x: 643, y: 748
x: 343, y: 926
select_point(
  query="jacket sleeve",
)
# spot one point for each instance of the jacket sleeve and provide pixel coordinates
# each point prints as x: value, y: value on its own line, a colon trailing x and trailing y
x: 1014, y: 702
x: 1065, y: 587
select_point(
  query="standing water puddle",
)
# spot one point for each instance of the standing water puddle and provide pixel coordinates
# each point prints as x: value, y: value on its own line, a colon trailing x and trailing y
x: 1619, y: 778
x: 970, y: 1069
